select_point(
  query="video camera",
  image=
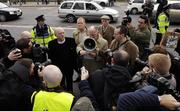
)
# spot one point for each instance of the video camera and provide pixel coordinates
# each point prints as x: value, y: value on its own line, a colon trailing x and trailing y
x: 127, y: 19
x: 5, y: 35
x: 108, y: 54
x: 162, y: 84
x: 39, y: 66
x: 39, y: 53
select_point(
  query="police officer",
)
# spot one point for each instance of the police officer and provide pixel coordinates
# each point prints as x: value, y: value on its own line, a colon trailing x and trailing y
x: 42, y: 33
x: 162, y: 24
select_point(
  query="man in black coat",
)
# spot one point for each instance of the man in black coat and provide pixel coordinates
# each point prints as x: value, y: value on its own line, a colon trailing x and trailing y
x: 12, y: 84
x: 62, y: 52
x: 110, y: 81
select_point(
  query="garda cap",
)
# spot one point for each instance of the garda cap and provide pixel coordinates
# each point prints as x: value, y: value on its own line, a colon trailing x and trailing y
x: 40, y: 18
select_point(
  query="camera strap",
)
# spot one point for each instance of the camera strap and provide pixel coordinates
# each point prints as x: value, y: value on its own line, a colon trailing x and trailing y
x: 123, y: 44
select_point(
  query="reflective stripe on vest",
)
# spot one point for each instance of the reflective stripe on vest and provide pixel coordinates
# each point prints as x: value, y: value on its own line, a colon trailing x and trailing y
x: 162, y: 23
x: 52, y: 101
x: 43, y: 40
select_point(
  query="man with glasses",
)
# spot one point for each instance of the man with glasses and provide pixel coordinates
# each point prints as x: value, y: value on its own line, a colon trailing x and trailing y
x: 122, y: 42
x: 141, y: 36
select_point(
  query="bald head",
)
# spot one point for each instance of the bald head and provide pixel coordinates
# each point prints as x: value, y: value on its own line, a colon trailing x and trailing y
x: 60, y: 34
x: 26, y: 34
x: 93, y: 32
x: 52, y: 76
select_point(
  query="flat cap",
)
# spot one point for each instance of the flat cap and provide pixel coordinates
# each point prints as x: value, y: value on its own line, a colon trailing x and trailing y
x: 105, y: 17
x: 40, y: 17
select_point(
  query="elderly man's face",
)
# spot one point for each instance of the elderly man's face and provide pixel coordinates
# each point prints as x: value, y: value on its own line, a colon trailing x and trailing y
x: 141, y: 23
x: 104, y: 22
x: 60, y: 35
x: 94, y: 34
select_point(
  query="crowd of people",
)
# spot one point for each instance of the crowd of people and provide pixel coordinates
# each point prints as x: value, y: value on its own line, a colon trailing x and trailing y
x: 116, y: 72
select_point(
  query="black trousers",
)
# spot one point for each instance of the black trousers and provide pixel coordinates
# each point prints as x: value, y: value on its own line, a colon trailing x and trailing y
x: 67, y: 80
x: 158, y: 38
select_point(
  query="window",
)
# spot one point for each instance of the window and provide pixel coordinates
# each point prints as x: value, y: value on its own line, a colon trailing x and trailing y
x: 67, y: 5
x: 138, y: 1
x: 90, y: 6
x: 79, y: 6
x: 175, y: 6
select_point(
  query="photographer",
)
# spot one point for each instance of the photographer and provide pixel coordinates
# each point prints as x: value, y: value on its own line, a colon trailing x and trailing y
x: 122, y: 42
x: 7, y: 42
x: 108, y: 82
x: 141, y: 36
x: 13, y: 81
x: 36, y: 53
x: 159, y: 65
x: 148, y: 8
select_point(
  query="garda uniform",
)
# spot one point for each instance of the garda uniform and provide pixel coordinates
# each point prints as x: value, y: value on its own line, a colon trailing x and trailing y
x: 52, y: 101
x: 42, y: 34
x: 163, y: 24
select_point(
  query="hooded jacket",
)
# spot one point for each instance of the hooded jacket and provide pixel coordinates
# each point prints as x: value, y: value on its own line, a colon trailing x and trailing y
x: 108, y: 83
x: 12, y: 83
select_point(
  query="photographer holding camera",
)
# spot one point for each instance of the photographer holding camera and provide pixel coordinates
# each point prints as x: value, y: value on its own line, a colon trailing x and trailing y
x: 122, y: 42
x: 13, y: 81
x: 113, y: 79
x: 159, y: 65
x: 7, y: 42
x: 28, y: 50
x: 141, y: 36
x: 148, y: 8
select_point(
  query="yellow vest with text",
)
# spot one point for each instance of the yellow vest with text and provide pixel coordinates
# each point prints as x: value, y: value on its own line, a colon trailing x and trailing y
x: 52, y: 101
x: 163, y: 21
x: 43, y: 41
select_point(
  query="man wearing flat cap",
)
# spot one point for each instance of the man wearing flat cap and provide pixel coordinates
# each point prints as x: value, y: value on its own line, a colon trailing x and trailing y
x: 105, y: 29
x: 42, y: 33
x: 162, y: 24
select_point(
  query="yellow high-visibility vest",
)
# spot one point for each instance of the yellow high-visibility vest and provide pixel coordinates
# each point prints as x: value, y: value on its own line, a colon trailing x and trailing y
x: 163, y: 21
x: 52, y: 101
x: 43, y: 40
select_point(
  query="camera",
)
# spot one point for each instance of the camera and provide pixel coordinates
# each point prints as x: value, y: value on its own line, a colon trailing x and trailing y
x: 39, y: 66
x: 163, y: 86
x: 5, y: 35
x: 127, y: 19
x: 39, y: 53
x: 108, y: 54
x: 17, y: 51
